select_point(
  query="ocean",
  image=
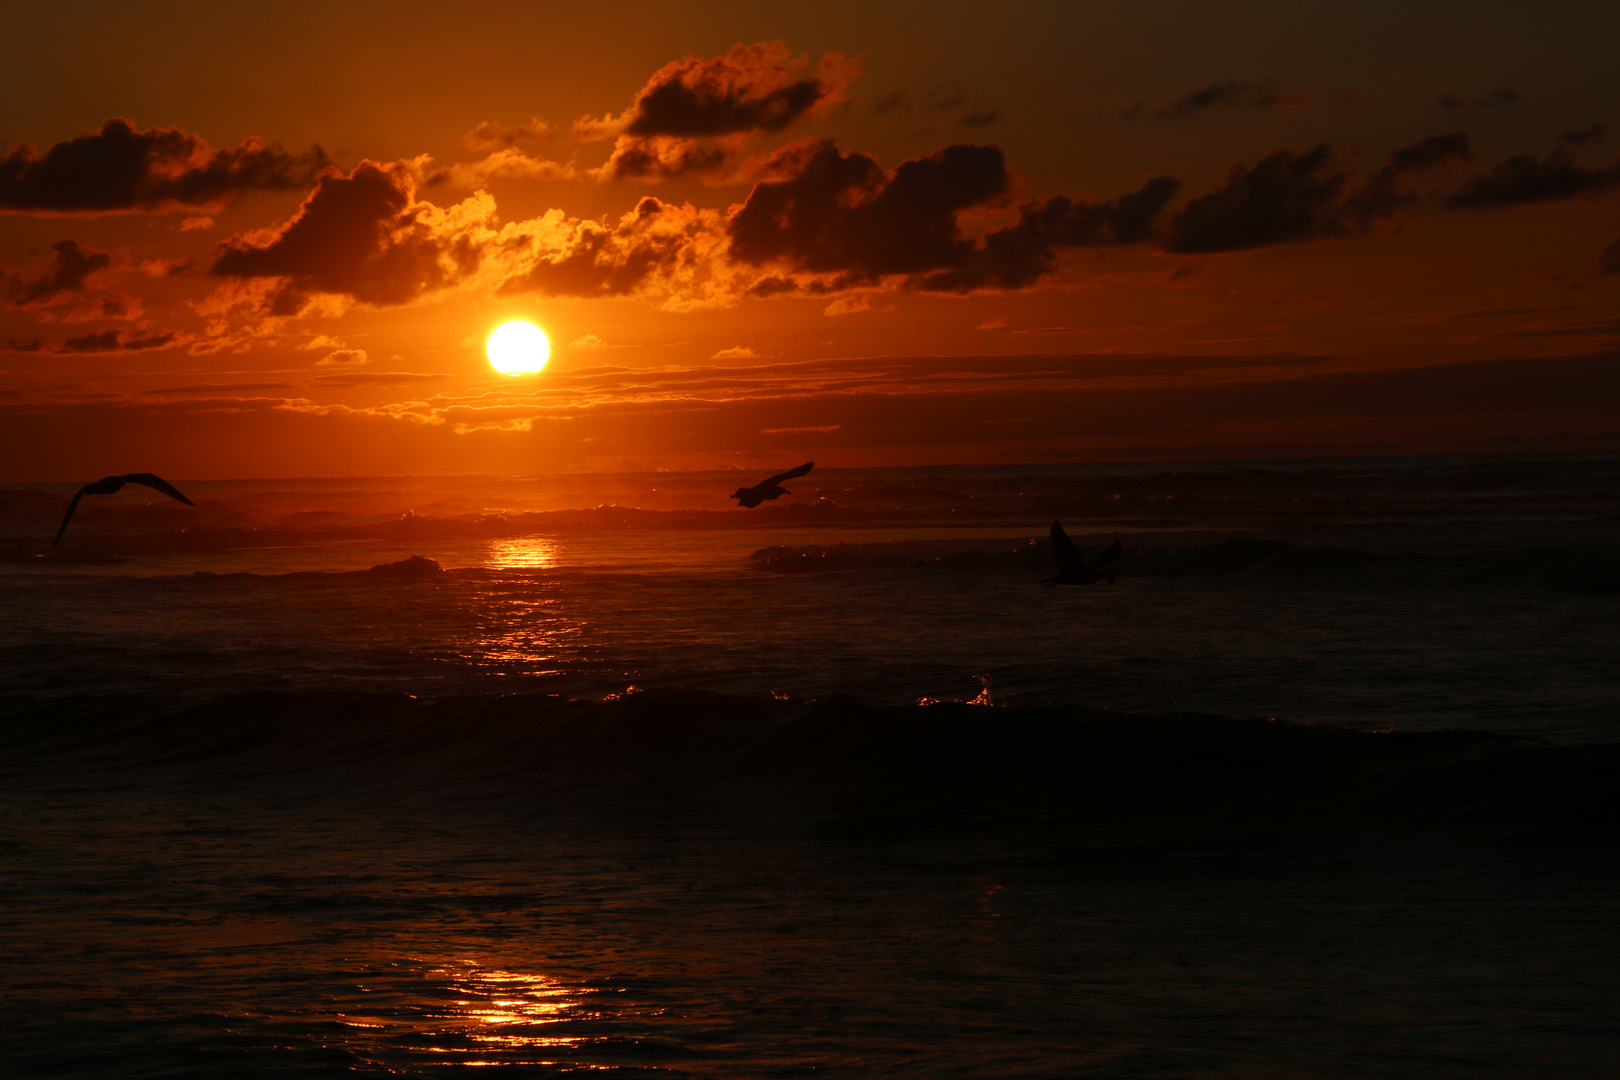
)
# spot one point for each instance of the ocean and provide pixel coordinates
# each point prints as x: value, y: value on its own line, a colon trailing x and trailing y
x: 398, y: 776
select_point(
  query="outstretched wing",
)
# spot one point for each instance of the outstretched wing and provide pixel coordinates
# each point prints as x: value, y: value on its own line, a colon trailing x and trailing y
x: 1110, y: 554
x: 1069, y: 559
x: 67, y: 517
x: 152, y: 480
x: 790, y: 474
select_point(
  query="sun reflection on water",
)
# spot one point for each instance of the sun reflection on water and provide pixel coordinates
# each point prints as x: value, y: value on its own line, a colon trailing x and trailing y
x: 500, y: 1012
x: 522, y: 553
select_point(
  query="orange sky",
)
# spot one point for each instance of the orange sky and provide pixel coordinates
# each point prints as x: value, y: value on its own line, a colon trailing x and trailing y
x: 271, y: 243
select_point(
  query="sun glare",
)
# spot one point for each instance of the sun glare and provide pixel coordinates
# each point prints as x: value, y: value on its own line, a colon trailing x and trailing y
x: 518, y: 348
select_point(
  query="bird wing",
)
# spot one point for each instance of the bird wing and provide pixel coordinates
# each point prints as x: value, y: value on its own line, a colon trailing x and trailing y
x: 1065, y: 552
x: 152, y: 480
x: 791, y: 473
x: 67, y: 517
x: 1110, y: 554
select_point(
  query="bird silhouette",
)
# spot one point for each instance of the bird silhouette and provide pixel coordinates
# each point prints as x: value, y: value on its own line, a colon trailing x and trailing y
x: 1073, y: 569
x: 769, y: 489
x: 109, y: 484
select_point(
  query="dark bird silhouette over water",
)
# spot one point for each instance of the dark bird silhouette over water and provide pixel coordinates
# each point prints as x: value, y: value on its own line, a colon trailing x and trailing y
x: 769, y: 489
x: 109, y: 484
x: 1073, y: 569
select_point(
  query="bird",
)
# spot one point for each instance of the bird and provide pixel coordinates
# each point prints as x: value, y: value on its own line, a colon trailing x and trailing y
x: 1073, y: 569
x: 109, y: 484
x: 769, y: 489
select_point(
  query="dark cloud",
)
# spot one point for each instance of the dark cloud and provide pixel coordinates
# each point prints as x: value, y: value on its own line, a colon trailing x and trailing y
x: 1235, y: 93
x: 113, y: 341
x: 1610, y: 259
x: 936, y: 98
x: 844, y: 214
x: 16, y: 345
x: 1021, y: 254
x: 363, y: 236
x: 1302, y: 196
x: 70, y: 266
x: 1526, y: 179
x: 120, y: 169
x: 1222, y: 93
x: 1504, y: 96
x: 750, y: 90
x: 1593, y: 133
x: 1385, y: 191
x: 979, y: 119
x: 1284, y: 196
x: 759, y: 87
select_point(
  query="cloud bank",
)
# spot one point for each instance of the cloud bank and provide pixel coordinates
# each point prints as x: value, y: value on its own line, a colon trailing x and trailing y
x: 122, y: 170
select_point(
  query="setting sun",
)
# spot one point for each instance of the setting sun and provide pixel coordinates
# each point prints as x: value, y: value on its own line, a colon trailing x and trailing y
x: 518, y: 348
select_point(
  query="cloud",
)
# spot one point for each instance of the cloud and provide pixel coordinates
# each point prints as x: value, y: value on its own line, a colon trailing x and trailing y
x: 66, y: 274
x: 121, y: 170
x: 979, y: 119
x: 193, y: 224
x: 362, y: 236
x: 1283, y: 196
x: 1496, y: 100
x: 1233, y: 93
x: 491, y: 135
x: 997, y: 323
x: 588, y: 343
x: 1611, y: 259
x: 373, y: 378
x: 843, y: 214
x: 761, y: 87
x: 936, y: 98
x: 1021, y: 254
x: 218, y: 388
x: 508, y: 163
x: 1289, y: 196
x: 113, y: 341
x: 656, y: 250
x: 1525, y: 178
x: 1384, y: 194
x: 344, y: 358
x: 751, y: 90
x: 738, y: 352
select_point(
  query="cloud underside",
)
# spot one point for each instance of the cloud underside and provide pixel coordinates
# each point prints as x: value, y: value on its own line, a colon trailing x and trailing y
x: 119, y: 169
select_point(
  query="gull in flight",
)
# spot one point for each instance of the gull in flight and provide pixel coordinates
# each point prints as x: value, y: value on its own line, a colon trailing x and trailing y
x: 109, y: 484
x: 1073, y: 569
x: 769, y: 489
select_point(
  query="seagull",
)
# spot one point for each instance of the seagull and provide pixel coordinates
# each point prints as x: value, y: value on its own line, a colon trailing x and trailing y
x: 769, y: 489
x: 1072, y: 566
x: 109, y: 484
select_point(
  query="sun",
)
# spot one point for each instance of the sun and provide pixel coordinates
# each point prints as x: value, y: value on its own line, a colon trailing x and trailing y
x: 518, y: 348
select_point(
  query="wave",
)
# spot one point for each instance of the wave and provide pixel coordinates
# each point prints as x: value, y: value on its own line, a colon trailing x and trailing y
x: 1585, y: 568
x: 1082, y: 776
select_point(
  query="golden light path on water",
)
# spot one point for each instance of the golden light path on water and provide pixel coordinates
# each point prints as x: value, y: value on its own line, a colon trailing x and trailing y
x: 522, y: 553
x: 494, y: 1011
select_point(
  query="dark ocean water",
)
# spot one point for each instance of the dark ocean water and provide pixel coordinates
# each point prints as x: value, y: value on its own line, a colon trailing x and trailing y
x: 398, y: 776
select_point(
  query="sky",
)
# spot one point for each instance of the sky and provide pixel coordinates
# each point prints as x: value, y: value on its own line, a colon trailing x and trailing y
x: 273, y: 241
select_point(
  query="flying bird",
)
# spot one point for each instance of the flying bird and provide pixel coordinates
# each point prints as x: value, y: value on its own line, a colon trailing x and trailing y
x: 109, y: 484
x: 769, y: 489
x: 1073, y: 569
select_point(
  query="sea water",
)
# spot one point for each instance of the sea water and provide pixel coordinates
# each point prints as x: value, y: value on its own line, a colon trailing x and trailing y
x: 401, y: 775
